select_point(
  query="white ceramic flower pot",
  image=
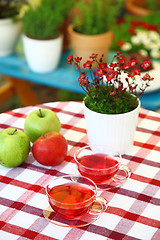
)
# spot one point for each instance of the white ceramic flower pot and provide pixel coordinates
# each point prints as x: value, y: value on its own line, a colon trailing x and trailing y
x: 42, y: 55
x: 111, y: 133
x: 9, y: 34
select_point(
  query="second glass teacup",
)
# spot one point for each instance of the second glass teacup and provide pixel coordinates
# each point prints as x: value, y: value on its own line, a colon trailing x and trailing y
x: 73, y: 201
x: 106, y: 171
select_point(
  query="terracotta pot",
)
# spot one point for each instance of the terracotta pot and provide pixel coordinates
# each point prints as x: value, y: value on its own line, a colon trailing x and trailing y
x: 135, y: 7
x: 84, y: 45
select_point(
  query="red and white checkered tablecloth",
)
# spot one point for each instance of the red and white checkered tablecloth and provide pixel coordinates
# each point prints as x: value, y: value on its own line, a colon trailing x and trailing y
x: 133, y: 210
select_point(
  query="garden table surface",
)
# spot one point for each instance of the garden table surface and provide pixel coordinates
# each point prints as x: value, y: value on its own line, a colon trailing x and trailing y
x: 133, y: 210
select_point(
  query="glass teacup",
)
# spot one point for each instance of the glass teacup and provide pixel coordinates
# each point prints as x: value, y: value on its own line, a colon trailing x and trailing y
x: 73, y: 198
x: 106, y: 171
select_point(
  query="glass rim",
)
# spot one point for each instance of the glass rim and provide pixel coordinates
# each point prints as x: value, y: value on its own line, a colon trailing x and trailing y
x: 71, y: 176
x: 97, y: 169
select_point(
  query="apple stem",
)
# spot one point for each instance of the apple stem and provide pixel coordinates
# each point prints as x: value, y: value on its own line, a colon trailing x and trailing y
x: 14, y: 132
x: 43, y: 136
x: 40, y: 111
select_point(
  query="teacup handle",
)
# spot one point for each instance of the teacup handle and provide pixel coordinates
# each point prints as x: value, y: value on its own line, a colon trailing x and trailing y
x: 127, y: 171
x: 99, y: 206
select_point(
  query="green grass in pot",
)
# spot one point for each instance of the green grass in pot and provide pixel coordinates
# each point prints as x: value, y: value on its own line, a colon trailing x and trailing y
x: 44, y: 21
x: 96, y: 17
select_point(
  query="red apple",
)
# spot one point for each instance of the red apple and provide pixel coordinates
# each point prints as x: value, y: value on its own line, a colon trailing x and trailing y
x: 50, y: 149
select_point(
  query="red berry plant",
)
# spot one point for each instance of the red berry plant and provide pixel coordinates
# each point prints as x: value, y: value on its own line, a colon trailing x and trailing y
x: 111, y: 88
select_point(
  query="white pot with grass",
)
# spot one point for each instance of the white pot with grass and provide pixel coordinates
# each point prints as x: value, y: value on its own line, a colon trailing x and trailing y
x: 9, y: 34
x: 42, y: 56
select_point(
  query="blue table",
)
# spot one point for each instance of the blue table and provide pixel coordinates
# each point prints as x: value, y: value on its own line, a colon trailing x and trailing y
x: 64, y: 77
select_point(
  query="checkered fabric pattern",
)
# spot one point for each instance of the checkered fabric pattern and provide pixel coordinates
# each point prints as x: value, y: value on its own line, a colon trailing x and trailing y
x: 133, y: 209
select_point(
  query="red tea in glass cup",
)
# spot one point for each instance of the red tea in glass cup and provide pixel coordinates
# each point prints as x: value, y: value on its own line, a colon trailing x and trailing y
x: 100, y: 167
x: 71, y: 196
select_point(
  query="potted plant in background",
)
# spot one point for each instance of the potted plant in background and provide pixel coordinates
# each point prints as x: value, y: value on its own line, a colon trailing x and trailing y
x: 142, y: 7
x: 91, y: 30
x: 139, y: 37
x: 10, y: 25
x: 42, y: 38
x: 110, y: 106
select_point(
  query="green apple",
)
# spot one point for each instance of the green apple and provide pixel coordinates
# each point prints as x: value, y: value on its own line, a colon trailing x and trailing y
x: 41, y: 121
x: 14, y: 147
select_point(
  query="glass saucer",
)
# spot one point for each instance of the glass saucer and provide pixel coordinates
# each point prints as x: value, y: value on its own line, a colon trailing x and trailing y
x: 119, y: 178
x: 98, y: 207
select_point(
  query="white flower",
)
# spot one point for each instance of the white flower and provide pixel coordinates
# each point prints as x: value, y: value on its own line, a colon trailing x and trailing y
x: 145, y: 39
x: 154, y: 45
x: 155, y: 53
x: 154, y: 35
x: 141, y: 34
x: 143, y: 52
x: 135, y: 40
x: 126, y: 46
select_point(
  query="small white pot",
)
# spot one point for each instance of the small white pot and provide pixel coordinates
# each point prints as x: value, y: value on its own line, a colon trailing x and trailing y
x: 9, y: 34
x: 111, y: 133
x: 42, y: 55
